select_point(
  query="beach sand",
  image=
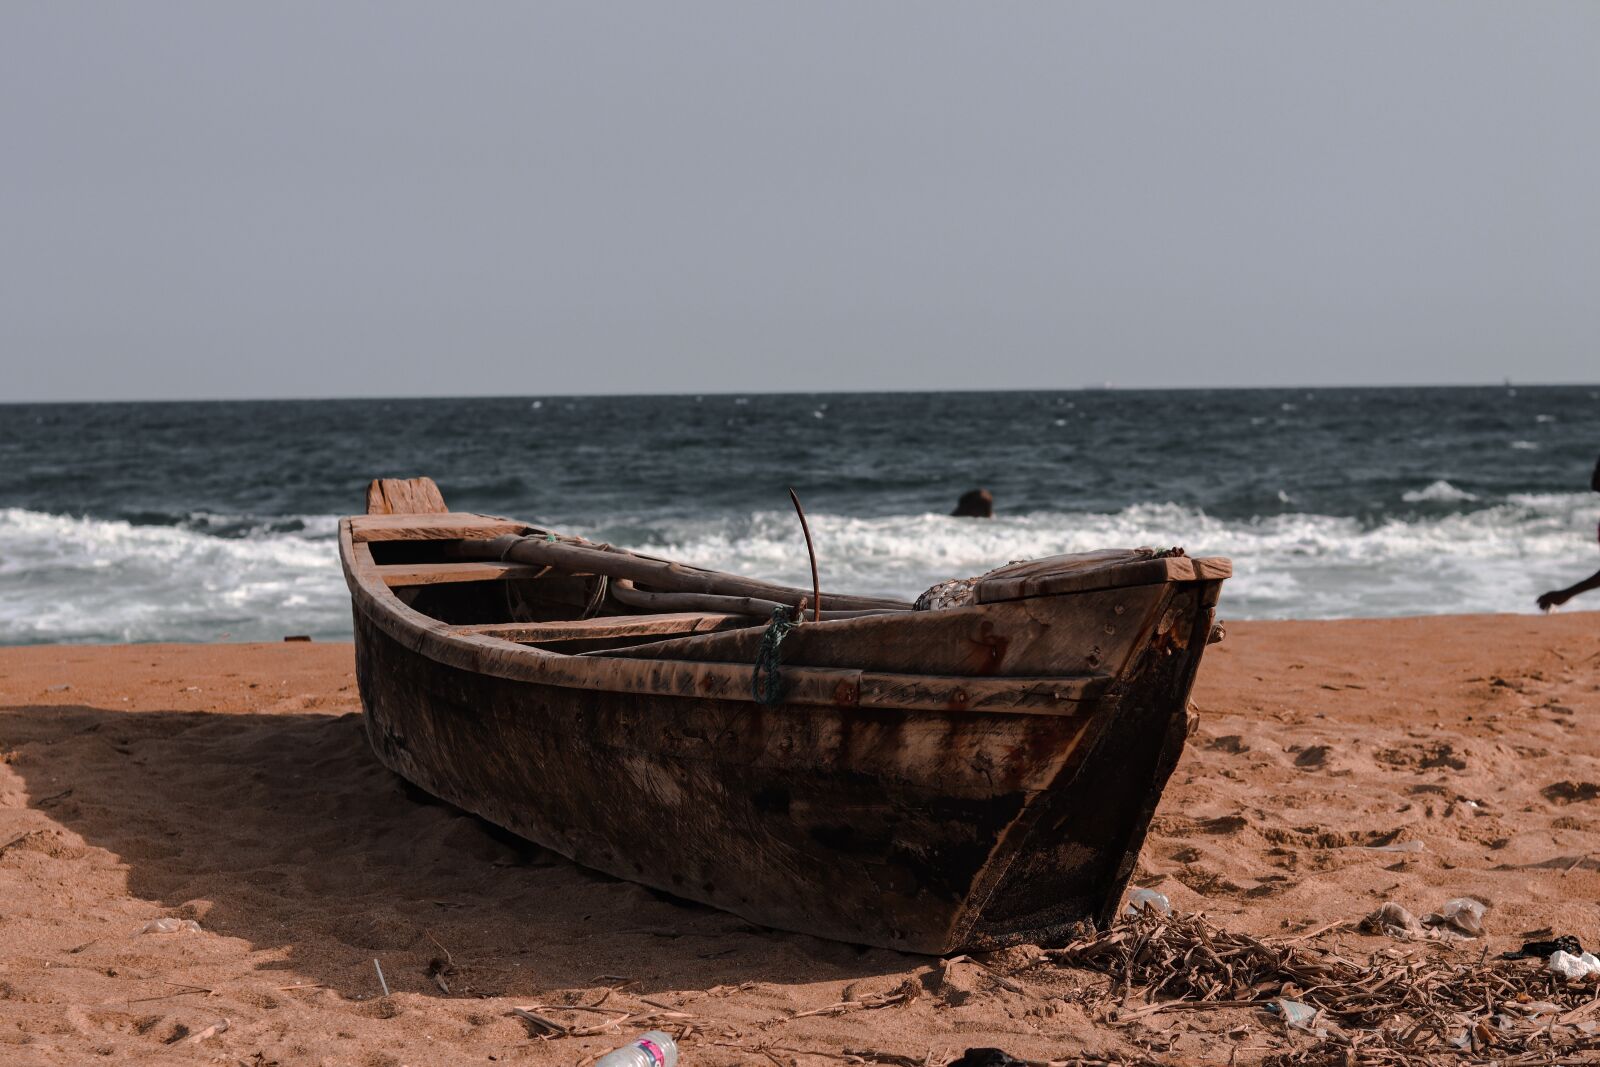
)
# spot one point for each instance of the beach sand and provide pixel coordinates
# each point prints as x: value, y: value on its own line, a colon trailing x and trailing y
x: 232, y: 785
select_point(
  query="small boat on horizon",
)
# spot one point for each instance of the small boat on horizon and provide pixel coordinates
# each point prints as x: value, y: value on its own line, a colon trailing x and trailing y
x: 975, y: 769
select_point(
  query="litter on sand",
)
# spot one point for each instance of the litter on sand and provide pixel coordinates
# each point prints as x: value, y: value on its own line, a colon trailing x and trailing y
x: 1394, y: 1010
x: 1146, y: 900
x: 1298, y: 1016
x: 1542, y: 950
x: 1460, y: 918
x: 1573, y: 968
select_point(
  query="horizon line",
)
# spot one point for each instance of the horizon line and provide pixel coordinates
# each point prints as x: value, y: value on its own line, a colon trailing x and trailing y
x: 1107, y: 387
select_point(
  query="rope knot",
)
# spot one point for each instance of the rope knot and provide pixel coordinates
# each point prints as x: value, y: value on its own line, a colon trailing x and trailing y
x: 766, y: 683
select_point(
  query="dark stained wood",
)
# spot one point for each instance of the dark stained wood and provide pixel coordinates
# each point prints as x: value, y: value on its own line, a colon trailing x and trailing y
x: 932, y: 781
x: 979, y: 694
x: 862, y: 828
x: 1085, y: 839
x: 1089, y: 571
x: 1089, y: 633
x: 614, y: 673
x: 1045, y: 577
x: 404, y: 496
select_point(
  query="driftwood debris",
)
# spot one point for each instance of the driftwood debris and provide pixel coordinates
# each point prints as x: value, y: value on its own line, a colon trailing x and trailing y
x: 540, y: 1023
x: 1430, y: 1006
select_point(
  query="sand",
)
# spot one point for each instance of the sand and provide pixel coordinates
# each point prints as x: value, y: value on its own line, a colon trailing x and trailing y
x: 232, y: 785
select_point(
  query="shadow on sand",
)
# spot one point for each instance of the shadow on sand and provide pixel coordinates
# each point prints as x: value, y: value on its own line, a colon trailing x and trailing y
x: 284, y: 830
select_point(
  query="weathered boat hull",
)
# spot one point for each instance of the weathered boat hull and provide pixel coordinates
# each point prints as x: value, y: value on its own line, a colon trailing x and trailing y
x: 922, y: 829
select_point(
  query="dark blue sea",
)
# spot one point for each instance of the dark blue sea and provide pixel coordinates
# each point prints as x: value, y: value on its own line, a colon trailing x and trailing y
x: 215, y: 521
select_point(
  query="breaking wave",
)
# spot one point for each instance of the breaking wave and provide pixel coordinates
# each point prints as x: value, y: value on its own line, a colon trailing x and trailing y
x: 1440, y: 492
x: 64, y: 578
x: 209, y: 577
x: 1493, y: 559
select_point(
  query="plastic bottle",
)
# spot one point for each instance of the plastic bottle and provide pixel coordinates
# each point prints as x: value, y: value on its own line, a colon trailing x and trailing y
x: 655, y: 1049
x: 1147, y: 900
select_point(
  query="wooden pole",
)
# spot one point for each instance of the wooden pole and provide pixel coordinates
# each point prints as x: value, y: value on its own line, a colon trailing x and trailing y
x: 627, y: 593
x: 805, y: 528
x: 659, y: 574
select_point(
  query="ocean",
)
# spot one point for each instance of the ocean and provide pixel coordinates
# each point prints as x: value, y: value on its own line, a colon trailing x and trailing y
x: 215, y: 521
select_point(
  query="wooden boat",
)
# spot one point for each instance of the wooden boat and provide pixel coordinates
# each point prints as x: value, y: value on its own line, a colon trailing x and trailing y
x: 929, y: 780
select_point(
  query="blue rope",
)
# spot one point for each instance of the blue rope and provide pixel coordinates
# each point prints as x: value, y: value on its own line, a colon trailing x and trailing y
x: 766, y: 683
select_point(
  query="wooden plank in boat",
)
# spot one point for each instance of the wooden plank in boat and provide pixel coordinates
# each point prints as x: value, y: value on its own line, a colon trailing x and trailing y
x: 443, y: 526
x: 838, y: 687
x: 400, y: 574
x: 404, y: 496
x: 609, y: 626
x: 1142, y: 572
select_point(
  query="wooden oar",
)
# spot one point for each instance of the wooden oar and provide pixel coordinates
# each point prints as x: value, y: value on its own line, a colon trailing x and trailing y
x: 631, y: 595
x: 659, y: 574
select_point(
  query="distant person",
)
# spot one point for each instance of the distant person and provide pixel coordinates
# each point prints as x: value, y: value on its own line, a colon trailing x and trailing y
x: 975, y: 504
x: 1557, y: 597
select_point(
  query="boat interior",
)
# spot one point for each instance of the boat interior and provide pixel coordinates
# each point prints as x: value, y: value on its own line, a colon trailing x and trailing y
x: 560, y: 612
x: 460, y: 570
x: 504, y: 579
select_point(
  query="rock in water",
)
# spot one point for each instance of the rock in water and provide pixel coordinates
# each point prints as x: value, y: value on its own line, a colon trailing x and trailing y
x: 975, y: 504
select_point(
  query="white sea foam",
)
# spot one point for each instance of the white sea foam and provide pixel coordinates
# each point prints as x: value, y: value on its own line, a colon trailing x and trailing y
x: 1438, y: 492
x: 82, y: 579
x: 1495, y: 558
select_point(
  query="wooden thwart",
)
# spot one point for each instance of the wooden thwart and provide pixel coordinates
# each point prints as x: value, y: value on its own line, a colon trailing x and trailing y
x: 404, y: 574
x: 608, y: 626
x: 444, y: 526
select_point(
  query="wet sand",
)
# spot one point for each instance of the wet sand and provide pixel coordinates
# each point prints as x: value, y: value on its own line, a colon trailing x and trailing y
x: 232, y: 785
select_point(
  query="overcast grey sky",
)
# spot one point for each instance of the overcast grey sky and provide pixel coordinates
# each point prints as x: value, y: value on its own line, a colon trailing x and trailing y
x: 326, y: 199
